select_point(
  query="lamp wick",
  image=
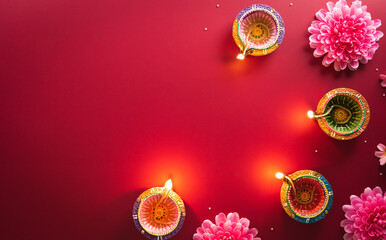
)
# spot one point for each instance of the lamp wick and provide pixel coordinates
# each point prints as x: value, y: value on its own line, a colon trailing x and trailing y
x: 291, y: 183
x: 325, y: 114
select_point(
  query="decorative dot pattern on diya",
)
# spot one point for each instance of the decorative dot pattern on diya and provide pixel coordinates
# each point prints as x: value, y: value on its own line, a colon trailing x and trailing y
x: 349, y: 113
x: 158, y: 217
x: 312, y: 198
x: 258, y: 30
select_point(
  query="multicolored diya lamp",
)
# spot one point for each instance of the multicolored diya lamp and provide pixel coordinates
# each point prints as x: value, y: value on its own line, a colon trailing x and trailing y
x: 342, y: 113
x: 159, y: 212
x: 305, y: 195
x: 258, y: 30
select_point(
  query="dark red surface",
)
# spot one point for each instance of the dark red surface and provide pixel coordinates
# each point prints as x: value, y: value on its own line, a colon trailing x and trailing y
x: 101, y: 100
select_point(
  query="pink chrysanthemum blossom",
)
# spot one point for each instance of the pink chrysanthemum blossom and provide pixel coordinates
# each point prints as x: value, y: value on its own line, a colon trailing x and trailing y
x: 344, y: 35
x: 383, y: 78
x: 229, y: 227
x: 381, y: 153
x: 366, y: 216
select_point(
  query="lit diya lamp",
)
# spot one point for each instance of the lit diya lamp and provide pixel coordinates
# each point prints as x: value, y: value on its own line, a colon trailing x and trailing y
x: 159, y: 212
x: 258, y: 30
x: 305, y: 195
x: 342, y: 113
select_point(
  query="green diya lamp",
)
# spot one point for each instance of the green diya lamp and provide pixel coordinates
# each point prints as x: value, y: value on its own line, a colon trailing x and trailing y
x: 342, y: 113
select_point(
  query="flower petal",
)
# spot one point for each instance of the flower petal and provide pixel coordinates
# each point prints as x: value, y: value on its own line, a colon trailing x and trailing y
x: 378, y: 35
x: 337, y: 66
x: 220, y: 218
x: 354, y: 64
x: 348, y: 208
x: 197, y: 236
x: 314, y: 38
x: 234, y: 217
x: 330, y: 6
x: 381, y: 147
x: 382, y: 160
x: 206, y: 225
x: 383, y: 83
x: 327, y: 60
x: 342, y: 65
x: 319, y: 52
x: 379, y: 154
x: 313, y: 30
x: 245, y: 222
x: 253, y: 232
x: 378, y: 190
x: 377, y: 23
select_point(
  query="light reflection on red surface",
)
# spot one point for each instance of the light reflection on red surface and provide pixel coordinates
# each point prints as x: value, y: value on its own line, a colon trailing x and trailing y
x: 265, y: 169
x: 179, y: 167
x: 296, y: 115
x: 240, y: 68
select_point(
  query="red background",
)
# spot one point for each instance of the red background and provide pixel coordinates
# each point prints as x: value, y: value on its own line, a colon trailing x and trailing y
x: 101, y: 100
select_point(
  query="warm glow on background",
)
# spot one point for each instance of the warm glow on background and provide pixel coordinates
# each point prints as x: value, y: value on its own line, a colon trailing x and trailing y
x: 267, y: 167
x: 295, y: 119
x: 162, y: 163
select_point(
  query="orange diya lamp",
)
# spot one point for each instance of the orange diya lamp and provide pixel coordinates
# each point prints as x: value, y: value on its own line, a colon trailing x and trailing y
x: 159, y: 212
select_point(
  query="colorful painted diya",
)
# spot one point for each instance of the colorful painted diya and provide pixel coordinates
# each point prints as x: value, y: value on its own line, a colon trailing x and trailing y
x: 258, y: 30
x: 342, y: 113
x: 306, y: 196
x: 159, y: 213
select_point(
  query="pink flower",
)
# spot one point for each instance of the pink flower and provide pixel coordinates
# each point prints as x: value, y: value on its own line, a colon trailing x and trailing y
x: 383, y: 78
x: 381, y: 153
x: 229, y: 227
x: 366, y: 216
x: 344, y: 35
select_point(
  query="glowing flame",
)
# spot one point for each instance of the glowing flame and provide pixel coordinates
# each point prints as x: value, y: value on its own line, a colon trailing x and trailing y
x: 279, y: 175
x: 240, y: 56
x: 169, y: 184
x: 310, y: 114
